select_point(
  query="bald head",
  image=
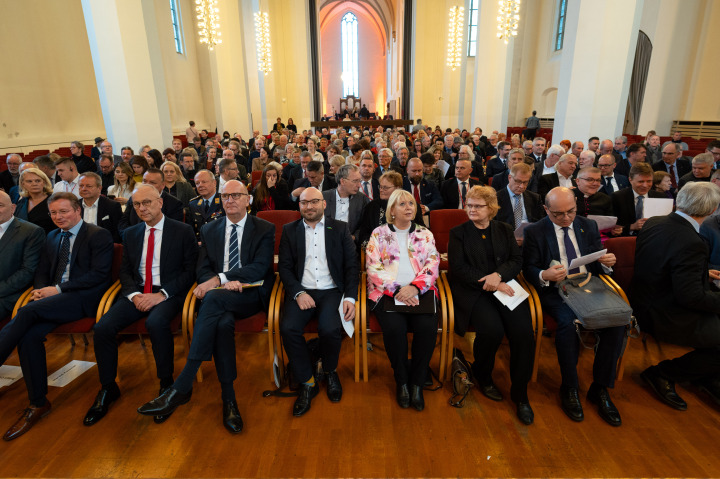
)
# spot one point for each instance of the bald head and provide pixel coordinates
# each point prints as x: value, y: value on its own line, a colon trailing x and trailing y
x: 234, y: 186
x: 7, y: 208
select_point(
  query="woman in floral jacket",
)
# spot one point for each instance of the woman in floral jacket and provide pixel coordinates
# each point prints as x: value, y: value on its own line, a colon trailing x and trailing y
x: 402, y: 263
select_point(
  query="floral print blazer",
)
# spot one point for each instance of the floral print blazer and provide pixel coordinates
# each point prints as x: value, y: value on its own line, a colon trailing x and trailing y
x: 382, y: 259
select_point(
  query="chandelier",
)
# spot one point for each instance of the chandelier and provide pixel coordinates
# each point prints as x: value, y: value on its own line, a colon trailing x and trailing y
x: 508, y: 19
x: 455, y: 34
x: 208, y: 22
x: 262, y: 38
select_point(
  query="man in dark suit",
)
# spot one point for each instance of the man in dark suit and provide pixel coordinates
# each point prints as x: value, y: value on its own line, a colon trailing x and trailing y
x: 316, y: 178
x: 235, y: 251
x: 498, y: 163
x: 426, y: 194
x: 611, y: 181
x: 292, y: 174
x: 171, y: 207
x: 628, y: 203
x: 465, y: 153
x: 454, y: 191
x: 636, y: 153
x: 672, y: 163
x: 11, y: 176
x: 315, y: 284
x: 561, y: 237
x: 20, y: 245
x: 672, y: 297
x: 73, y: 274
x: 369, y: 184
x: 106, y: 170
x: 538, y: 149
x: 500, y: 180
x: 517, y: 204
x: 701, y: 170
x: 158, y: 268
x: 344, y: 203
x: 589, y: 200
x: 99, y: 210
x: 385, y: 163
x: 565, y: 167
x: 205, y: 207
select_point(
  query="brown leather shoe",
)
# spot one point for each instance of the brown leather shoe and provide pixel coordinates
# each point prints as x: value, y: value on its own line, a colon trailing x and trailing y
x: 31, y: 415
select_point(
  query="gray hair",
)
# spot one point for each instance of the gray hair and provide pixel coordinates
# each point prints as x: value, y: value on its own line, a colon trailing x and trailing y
x: 344, y: 171
x: 566, y: 157
x: 698, y: 199
x: 11, y: 155
x: 469, y: 150
x: 621, y: 138
x: 388, y: 151
x: 93, y: 176
x: 706, y: 158
x: 556, y: 150
x: 526, y: 143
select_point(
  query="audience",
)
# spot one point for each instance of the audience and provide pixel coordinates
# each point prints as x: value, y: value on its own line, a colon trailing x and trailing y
x: 34, y: 192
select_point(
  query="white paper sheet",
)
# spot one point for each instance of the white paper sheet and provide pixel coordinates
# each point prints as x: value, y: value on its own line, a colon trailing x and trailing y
x: 512, y: 302
x: 587, y: 259
x: 9, y: 374
x: 443, y: 166
x: 657, y: 207
x: 349, y: 326
x: 520, y: 229
x: 604, y: 222
x: 68, y: 373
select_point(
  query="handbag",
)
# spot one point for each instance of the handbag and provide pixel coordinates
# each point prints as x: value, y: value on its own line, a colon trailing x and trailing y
x: 427, y: 304
x: 461, y: 379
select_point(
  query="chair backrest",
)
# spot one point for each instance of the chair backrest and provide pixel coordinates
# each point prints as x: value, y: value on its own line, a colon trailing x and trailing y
x: 441, y: 222
x: 256, y: 175
x: 624, y: 250
x: 279, y: 218
x: 117, y: 261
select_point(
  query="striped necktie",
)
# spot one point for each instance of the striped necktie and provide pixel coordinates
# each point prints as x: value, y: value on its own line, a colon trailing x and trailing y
x: 234, y: 252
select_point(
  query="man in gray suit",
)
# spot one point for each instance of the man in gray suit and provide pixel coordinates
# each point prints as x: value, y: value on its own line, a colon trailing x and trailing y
x: 20, y: 245
x: 344, y: 203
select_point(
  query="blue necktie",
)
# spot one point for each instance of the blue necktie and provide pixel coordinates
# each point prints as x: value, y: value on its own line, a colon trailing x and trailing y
x: 63, y: 256
x: 234, y: 256
x: 569, y: 249
x: 639, y: 208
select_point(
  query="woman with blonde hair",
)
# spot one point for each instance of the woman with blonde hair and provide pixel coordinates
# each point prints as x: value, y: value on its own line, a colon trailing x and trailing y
x: 336, y: 162
x: 35, y: 189
x: 176, y: 184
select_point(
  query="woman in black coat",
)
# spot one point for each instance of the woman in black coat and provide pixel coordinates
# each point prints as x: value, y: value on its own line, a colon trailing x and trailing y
x: 483, y: 257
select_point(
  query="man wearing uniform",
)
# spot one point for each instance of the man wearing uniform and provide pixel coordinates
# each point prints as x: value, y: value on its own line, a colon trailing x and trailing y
x: 206, y: 206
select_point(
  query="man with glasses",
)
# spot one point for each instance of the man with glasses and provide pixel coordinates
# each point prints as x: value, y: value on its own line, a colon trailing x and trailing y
x: 344, y: 203
x: 73, y: 274
x: 611, y: 181
x: 714, y: 149
x: 498, y: 163
x: 229, y: 170
x: 171, y: 207
x: 319, y: 269
x: 549, y: 247
x: 11, y: 176
x: 500, y: 180
x: 235, y: 252
x: 158, y: 268
x: 517, y: 203
x: 589, y: 200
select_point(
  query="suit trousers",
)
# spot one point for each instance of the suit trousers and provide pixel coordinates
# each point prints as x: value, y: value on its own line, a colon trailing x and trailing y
x: 330, y: 331
x: 699, y: 365
x: 27, y: 331
x: 121, y: 315
x: 214, y: 332
x: 492, y: 321
x: 395, y: 327
x: 567, y: 344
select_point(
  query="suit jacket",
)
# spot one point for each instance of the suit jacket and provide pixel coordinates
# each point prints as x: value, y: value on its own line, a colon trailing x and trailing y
x: 198, y: 216
x: 6, y: 181
x: 375, y: 188
x: 622, y: 183
x: 494, y: 166
x: 178, y: 258
x: 682, y: 167
x: 710, y: 230
x: 623, y: 166
x: 548, y: 182
x: 597, y: 204
x: 623, y: 203
x: 477, y: 172
x: 90, y: 265
x: 501, y: 180
x: 341, y: 257
x: 540, y: 247
x: 429, y: 193
x: 172, y: 208
x: 20, y: 248
x: 689, y: 178
x: 109, y: 213
x: 450, y: 193
x: 467, y: 263
x: 531, y: 201
x: 357, y: 205
x: 257, y: 247
x: 327, y: 184
x: 670, y: 289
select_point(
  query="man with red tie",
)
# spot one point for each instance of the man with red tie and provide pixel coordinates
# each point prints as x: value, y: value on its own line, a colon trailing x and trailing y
x: 158, y: 268
x: 454, y: 191
x: 426, y: 194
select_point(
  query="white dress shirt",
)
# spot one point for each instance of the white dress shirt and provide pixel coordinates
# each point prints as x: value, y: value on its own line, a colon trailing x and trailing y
x: 369, y: 193
x: 316, y: 274
x: 522, y: 204
x: 4, y: 227
x: 226, y: 258
x: 342, y: 207
x: 547, y: 170
x: 566, y: 182
x: 467, y: 190
x: 156, y: 256
x: 90, y: 212
x: 68, y: 187
x: 613, y: 182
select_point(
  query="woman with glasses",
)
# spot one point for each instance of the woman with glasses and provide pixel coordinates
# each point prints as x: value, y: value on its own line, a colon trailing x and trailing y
x: 483, y: 257
x: 35, y: 189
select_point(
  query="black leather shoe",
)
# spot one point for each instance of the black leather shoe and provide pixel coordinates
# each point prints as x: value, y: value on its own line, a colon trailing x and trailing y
x: 161, y: 419
x: 601, y: 397
x: 665, y: 389
x: 492, y: 392
x: 525, y: 413
x: 570, y: 401
x: 416, y: 397
x: 334, y: 388
x: 403, y: 395
x: 103, y: 400
x: 231, y: 417
x: 429, y: 379
x: 165, y: 404
x: 306, y: 393
x: 712, y: 388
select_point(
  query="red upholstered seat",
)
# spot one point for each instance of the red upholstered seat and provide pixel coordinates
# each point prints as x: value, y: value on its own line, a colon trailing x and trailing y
x: 441, y: 222
x: 624, y: 251
x: 279, y: 218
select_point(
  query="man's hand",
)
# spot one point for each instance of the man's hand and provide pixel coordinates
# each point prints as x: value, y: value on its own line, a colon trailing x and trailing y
x: 424, y: 209
x: 146, y: 302
x: 348, y: 310
x: 233, y: 286
x: 201, y: 290
x: 554, y: 273
x: 714, y: 274
x: 607, y: 260
x: 617, y: 230
x: 305, y: 301
x: 519, y: 241
x: 44, y: 292
x: 492, y: 281
x: 638, y: 224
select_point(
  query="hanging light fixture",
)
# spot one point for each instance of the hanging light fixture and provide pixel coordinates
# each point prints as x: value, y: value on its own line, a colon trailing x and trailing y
x: 262, y: 38
x: 455, y: 34
x: 208, y: 22
x: 508, y: 18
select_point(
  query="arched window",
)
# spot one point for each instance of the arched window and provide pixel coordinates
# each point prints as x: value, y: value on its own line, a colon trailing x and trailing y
x: 350, y: 55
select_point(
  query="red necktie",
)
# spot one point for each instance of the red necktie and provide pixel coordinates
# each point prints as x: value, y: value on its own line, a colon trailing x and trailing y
x: 416, y: 193
x: 149, y: 262
x: 672, y: 177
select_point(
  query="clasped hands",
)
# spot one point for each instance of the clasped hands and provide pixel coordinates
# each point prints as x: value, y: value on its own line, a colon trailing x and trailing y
x: 202, y: 289
x: 146, y: 302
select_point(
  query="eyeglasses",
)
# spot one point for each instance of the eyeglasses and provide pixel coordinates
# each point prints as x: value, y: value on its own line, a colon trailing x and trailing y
x: 521, y: 183
x: 145, y: 203
x: 235, y: 196
x: 471, y: 206
x: 385, y: 188
x: 306, y: 203
x: 605, y: 166
x: 560, y: 214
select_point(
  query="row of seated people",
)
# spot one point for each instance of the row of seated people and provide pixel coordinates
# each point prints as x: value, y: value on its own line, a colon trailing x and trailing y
x: 318, y: 266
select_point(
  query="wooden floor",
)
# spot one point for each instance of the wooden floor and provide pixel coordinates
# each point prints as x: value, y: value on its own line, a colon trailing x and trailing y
x: 366, y: 434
